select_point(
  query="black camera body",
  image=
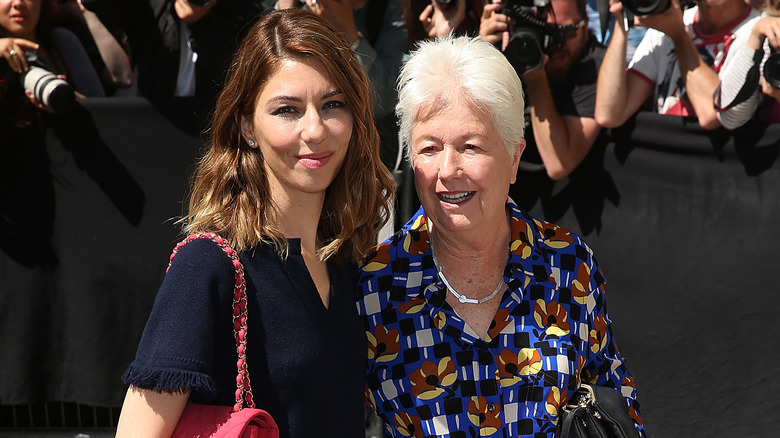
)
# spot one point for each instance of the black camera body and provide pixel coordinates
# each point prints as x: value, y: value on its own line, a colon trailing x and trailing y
x: 644, y: 8
x: 531, y: 35
x: 771, y: 69
x: 447, y: 3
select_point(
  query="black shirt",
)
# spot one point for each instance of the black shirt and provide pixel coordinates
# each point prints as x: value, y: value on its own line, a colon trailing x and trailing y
x: 306, y: 361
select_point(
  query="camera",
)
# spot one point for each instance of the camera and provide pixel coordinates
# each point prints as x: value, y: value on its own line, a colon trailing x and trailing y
x: 643, y: 8
x: 51, y: 91
x: 447, y: 4
x: 532, y: 36
x: 772, y: 69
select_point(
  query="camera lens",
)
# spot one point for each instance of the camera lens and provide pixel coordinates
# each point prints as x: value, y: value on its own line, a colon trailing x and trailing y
x: 447, y: 3
x: 646, y: 7
x: 772, y: 70
x: 524, y: 50
x: 48, y: 89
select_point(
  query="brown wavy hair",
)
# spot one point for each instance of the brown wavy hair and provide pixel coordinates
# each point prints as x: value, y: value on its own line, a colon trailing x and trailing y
x: 230, y: 190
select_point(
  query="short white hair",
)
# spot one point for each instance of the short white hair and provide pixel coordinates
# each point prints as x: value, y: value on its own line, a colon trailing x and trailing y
x: 446, y: 71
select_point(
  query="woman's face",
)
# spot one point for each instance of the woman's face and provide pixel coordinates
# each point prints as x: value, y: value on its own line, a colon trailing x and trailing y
x: 302, y: 126
x: 462, y: 170
x: 18, y: 18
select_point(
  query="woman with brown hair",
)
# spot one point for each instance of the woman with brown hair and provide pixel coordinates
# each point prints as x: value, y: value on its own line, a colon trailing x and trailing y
x: 293, y: 179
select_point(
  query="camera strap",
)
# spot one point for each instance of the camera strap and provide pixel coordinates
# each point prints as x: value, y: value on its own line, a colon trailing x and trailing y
x: 748, y: 87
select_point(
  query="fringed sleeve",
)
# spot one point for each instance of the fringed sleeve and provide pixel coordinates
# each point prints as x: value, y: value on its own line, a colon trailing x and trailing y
x: 170, y: 380
x: 177, y: 348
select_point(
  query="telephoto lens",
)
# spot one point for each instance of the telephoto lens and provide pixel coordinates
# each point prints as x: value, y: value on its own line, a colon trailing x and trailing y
x: 52, y: 92
x: 772, y: 69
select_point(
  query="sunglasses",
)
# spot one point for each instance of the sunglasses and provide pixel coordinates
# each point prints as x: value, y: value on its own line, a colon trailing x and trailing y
x: 565, y: 31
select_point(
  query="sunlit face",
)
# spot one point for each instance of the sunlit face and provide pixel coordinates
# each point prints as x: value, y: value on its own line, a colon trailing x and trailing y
x: 561, y: 61
x: 302, y: 126
x: 18, y: 18
x: 462, y: 170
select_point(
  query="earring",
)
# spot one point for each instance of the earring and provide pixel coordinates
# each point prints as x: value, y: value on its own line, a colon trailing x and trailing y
x: 251, y: 143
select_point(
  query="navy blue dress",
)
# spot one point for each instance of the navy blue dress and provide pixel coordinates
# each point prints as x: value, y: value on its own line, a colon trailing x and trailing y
x: 306, y: 361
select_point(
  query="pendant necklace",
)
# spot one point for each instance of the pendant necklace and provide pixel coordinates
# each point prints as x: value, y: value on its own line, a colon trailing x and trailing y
x: 463, y: 298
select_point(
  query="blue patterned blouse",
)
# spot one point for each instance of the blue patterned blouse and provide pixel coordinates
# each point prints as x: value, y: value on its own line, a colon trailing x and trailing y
x: 429, y: 375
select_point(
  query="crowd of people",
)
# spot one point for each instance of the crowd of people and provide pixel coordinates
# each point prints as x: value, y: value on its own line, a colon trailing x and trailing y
x: 702, y: 60
x: 311, y: 106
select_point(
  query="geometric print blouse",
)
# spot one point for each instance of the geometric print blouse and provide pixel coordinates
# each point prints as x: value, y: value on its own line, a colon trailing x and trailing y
x: 430, y: 375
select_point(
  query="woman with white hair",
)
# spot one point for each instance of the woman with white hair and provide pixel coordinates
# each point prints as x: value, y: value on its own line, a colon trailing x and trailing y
x: 481, y: 320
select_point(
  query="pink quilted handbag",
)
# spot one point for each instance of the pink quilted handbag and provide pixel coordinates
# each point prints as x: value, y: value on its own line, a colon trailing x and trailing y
x: 202, y: 421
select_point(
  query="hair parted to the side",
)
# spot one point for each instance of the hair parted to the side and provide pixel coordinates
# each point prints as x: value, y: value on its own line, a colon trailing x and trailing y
x: 230, y: 190
x: 450, y: 70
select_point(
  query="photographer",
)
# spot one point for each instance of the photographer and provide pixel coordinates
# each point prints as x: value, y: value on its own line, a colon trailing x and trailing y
x: 757, y: 69
x: 195, y: 41
x: 562, y: 93
x: 28, y: 40
x: 680, y: 60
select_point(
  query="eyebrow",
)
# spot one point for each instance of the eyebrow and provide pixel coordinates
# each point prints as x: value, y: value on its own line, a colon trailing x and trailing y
x: 284, y: 98
x: 460, y: 140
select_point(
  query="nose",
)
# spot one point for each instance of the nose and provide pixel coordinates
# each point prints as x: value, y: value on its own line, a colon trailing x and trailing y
x: 450, y: 163
x: 313, y: 127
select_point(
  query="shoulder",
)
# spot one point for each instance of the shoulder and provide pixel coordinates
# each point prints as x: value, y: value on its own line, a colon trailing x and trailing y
x: 81, y: 71
x: 548, y: 251
x: 743, y: 29
x: 64, y: 35
x: 690, y: 15
x: 69, y: 45
x: 651, y: 42
x: 199, y: 260
x: 590, y: 62
x: 396, y: 269
x: 540, y: 232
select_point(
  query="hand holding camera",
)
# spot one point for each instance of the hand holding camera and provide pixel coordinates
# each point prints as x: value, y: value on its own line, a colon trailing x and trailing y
x: 665, y: 18
x: 531, y: 36
x: 12, y: 50
x: 494, y: 26
x: 441, y: 17
x: 44, y: 89
x: 768, y: 29
x: 662, y: 15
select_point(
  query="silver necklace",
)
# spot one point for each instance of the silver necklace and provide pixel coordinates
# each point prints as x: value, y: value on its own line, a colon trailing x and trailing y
x: 463, y: 298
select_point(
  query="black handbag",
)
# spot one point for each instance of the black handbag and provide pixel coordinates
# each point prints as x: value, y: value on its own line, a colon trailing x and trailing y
x: 597, y: 412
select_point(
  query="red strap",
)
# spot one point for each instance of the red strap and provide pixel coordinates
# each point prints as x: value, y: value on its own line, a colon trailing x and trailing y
x: 243, y: 386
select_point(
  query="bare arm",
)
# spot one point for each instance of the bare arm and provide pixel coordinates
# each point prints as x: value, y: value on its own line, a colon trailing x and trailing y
x: 117, y: 62
x: 150, y: 414
x: 563, y: 141
x: 618, y: 94
x: 700, y: 80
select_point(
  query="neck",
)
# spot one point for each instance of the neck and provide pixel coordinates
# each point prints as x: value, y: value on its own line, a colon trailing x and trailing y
x: 715, y: 18
x: 473, y: 245
x: 480, y: 253
x: 300, y: 218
